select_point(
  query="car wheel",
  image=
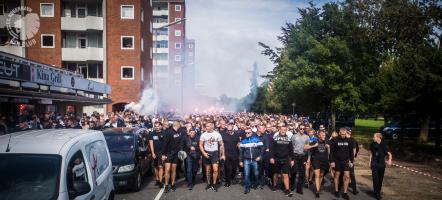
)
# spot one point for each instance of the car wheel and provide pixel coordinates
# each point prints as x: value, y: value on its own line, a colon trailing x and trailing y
x: 394, y: 136
x: 138, y: 181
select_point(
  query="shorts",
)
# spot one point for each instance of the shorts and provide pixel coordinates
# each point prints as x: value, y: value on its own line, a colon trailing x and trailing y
x: 173, y: 159
x: 281, y: 166
x: 320, y: 164
x: 157, y: 162
x: 342, y: 166
x: 213, y: 158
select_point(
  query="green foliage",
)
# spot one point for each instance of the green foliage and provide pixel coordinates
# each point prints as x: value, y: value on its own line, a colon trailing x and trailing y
x: 369, y: 56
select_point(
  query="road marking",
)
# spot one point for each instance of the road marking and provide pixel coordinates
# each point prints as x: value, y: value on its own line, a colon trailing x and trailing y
x: 160, y: 193
x: 417, y: 172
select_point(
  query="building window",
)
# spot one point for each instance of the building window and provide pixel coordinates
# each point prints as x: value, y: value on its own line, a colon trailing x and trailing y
x: 190, y: 46
x: 127, y: 73
x: 178, y: 58
x: 2, y: 9
x: 177, y: 70
x: 142, y: 73
x: 177, y: 45
x: 47, y: 41
x: 142, y: 45
x: 178, y: 19
x: 177, y: 7
x: 127, y: 42
x: 177, y: 33
x: 151, y: 52
x: 46, y: 10
x: 190, y: 54
x: 127, y: 12
x: 151, y: 26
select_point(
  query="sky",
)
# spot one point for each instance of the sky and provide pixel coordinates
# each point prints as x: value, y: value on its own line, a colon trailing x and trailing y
x: 227, y: 33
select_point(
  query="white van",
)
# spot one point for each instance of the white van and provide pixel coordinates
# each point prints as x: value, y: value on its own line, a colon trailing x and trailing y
x: 55, y: 164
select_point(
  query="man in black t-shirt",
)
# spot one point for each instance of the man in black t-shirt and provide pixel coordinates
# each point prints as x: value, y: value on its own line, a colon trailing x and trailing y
x: 231, y: 141
x: 155, y: 144
x: 378, y: 152
x: 341, y: 158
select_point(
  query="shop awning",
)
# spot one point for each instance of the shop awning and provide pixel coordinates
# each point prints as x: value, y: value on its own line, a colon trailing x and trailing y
x: 27, y: 94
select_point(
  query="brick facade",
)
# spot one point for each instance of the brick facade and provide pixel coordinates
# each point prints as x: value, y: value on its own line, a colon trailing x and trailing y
x: 48, y: 25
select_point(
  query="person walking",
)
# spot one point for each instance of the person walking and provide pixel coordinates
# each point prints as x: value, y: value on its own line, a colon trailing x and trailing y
x: 378, y: 151
x: 282, y: 158
x: 193, y: 156
x: 250, y: 153
x: 212, y: 148
x: 155, y: 145
x: 299, y: 142
x: 231, y: 142
x: 341, y: 157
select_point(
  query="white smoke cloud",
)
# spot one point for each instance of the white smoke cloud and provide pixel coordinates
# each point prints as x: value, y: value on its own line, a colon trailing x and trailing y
x: 147, y: 104
x: 227, y: 33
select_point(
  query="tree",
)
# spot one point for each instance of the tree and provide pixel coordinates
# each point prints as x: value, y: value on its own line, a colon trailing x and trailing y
x: 320, y: 66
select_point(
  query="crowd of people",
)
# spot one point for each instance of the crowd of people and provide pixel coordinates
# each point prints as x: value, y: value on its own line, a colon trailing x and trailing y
x: 279, y: 151
x: 27, y: 120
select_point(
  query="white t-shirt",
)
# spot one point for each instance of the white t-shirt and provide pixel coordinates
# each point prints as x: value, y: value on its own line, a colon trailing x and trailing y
x: 211, y: 140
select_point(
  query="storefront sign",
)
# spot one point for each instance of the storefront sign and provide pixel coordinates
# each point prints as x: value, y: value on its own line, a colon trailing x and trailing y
x: 46, y: 76
x: 13, y: 70
x: 16, y: 68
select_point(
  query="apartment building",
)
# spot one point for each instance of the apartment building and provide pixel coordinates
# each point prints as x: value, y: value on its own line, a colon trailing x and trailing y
x: 106, y: 41
x: 169, y: 50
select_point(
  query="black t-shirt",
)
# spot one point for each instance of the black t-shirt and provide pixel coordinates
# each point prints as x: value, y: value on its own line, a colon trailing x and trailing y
x: 320, y: 152
x: 157, y: 138
x: 231, y: 144
x: 378, y: 152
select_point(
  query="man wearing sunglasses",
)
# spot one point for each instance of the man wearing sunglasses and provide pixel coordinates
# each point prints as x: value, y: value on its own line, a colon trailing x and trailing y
x: 251, y: 150
x: 299, y: 142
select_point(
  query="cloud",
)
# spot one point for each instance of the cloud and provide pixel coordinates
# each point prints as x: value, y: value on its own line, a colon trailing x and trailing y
x: 227, y: 33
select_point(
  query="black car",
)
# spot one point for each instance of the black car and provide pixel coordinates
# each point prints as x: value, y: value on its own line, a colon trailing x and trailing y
x: 130, y: 156
x: 411, y: 130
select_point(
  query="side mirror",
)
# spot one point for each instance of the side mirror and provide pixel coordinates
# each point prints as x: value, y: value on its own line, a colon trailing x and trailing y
x: 81, y: 188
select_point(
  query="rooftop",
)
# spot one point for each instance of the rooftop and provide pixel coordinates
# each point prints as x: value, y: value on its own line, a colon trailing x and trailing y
x: 47, y: 141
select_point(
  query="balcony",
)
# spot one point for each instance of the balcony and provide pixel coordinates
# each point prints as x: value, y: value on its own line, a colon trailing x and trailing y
x: 158, y: 25
x: 82, y: 54
x: 160, y: 12
x: 160, y: 37
x: 161, y: 50
x: 82, y: 24
x: 160, y: 62
x: 16, y: 50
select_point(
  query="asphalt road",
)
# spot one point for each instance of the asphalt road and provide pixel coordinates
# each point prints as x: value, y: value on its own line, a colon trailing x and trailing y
x: 235, y: 192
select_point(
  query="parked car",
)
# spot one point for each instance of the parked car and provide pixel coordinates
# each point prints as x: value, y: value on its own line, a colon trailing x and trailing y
x: 130, y: 156
x: 55, y: 164
x: 411, y: 130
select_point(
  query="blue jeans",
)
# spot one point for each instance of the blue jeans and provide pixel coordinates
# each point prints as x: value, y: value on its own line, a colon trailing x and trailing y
x: 192, y: 169
x: 249, y: 166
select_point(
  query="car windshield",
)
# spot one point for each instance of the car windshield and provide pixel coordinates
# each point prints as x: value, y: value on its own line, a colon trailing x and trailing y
x: 119, y: 142
x: 29, y: 175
